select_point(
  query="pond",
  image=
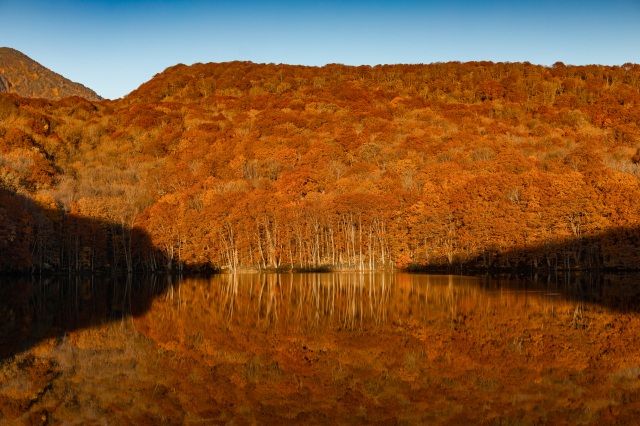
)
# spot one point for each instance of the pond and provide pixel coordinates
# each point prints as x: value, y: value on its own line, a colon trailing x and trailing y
x: 346, y: 348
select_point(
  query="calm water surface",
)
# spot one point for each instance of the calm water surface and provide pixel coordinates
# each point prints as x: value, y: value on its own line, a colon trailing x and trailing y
x: 36, y: 308
x: 348, y: 348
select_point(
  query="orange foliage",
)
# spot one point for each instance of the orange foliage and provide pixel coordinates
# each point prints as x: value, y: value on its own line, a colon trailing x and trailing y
x: 474, y: 165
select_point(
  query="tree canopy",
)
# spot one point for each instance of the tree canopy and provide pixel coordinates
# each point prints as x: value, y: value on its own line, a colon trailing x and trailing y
x: 243, y: 165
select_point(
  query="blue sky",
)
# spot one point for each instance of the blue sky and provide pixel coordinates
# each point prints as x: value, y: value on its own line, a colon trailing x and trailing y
x: 114, y: 46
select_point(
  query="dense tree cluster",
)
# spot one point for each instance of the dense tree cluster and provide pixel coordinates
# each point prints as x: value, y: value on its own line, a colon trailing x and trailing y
x: 242, y: 165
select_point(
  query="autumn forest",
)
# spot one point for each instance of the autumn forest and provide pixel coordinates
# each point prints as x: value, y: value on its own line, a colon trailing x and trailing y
x: 447, y: 166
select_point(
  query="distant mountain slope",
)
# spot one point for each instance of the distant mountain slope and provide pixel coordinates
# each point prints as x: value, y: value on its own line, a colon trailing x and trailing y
x: 22, y: 75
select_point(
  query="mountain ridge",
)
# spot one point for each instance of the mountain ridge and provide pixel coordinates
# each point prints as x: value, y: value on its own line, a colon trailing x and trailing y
x: 25, y: 77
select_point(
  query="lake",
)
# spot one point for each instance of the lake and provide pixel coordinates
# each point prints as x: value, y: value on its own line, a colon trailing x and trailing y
x: 346, y: 348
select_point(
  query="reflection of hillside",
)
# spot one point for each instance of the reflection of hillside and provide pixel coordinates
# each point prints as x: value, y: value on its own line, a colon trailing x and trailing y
x: 48, y: 307
x: 289, y: 300
x: 621, y: 291
x: 361, y: 301
x: 33, y: 309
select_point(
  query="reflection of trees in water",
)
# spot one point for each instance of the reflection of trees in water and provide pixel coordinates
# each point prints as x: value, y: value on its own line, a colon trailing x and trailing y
x: 343, y: 300
x: 314, y: 300
x: 353, y: 300
x: 36, y: 308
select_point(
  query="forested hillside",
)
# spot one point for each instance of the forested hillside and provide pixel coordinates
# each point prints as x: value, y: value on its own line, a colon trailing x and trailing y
x: 241, y: 165
x: 23, y: 76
